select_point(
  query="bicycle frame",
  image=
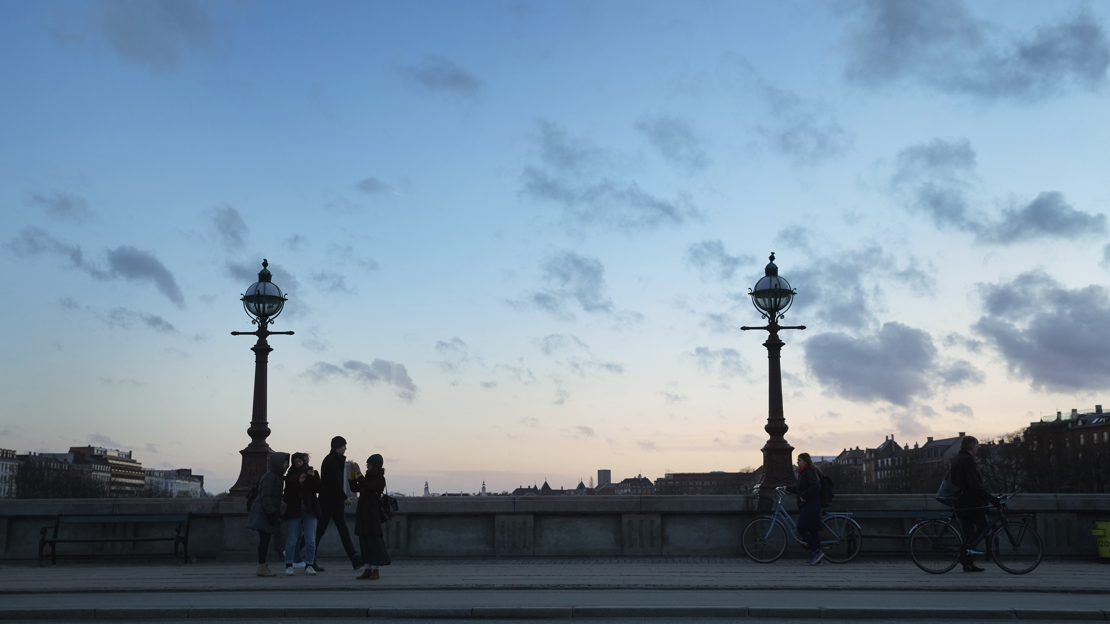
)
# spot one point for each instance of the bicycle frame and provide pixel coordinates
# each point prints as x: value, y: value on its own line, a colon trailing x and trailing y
x: 781, y: 516
x: 1000, y: 522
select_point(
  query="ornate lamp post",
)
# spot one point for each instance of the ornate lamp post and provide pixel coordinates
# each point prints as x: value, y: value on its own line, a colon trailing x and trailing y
x: 772, y: 296
x: 263, y: 302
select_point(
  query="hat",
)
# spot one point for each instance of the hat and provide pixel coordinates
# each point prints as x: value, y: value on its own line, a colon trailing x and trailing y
x: 375, y: 460
x: 337, y: 442
x: 300, y: 456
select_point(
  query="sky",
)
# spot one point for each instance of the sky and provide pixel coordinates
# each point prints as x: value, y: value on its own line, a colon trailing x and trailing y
x: 518, y: 237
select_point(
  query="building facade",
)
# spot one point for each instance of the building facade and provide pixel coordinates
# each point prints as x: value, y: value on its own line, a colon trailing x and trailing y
x: 176, y: 483
x: 127, y: 476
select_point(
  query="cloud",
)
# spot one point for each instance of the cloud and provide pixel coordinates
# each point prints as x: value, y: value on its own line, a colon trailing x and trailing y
x: 99, y: 439
x: 63, y: 207
x: 720, y: 323
x: 142, y: 266
x: 804, y: 131
x: 941, y: 46
x: 1050, y: 335
x: 670, y: 398
x: 713, y: 262
x: 1047, y: 216
x: 675, y: 139
x: 488, y: 385
x: 898, y: 364
x: 156, y: 35
x: 124, y: 262
x: 843, y: 289
x: 332, y: 282
x: 725, y: 362
x: 127, y: 319
x: 577, y: 176
x: 455, y: 355
x: 230, y: 227
x: 436, y: 74
x: 582, y: 431
x: 247, y: 274
x: 378, y: 371
x: 346, y: 254
x: 295, y: 242
x: 572, y: 280
x: 579, y: 358
x: 647, y: 446
x: 961, y: 409
x: 372, y: 185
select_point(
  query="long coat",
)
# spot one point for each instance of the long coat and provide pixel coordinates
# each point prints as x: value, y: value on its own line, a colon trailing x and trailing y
x: 331, y: 483
x: 301, y: 497
x: 265, y: 514
x: 965, y: 475
x: 368, y: 515
x: 809, y: 499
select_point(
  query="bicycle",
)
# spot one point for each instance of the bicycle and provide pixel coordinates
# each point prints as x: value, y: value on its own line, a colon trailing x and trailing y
x: 764, y: 539
x: 1012, y: 542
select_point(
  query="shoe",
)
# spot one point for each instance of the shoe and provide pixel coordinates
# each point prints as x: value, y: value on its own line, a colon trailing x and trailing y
x: 299, y: 565
x: 317, y: 567
x: 969, y: 565
x: 264, y: 570
x: 817, y: 557
x: 309, y: 571
x: 373, y: 575
x: 365, y: 574
x: 289, y: 570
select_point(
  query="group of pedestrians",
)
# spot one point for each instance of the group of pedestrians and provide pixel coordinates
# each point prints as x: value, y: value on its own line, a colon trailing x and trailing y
x: 308, y: 501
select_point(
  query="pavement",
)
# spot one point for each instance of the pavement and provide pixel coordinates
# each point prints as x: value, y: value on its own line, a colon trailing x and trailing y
x: 587, y: 590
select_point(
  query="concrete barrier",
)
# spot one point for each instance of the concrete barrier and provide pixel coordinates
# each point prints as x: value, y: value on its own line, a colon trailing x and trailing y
x: 530, y: 526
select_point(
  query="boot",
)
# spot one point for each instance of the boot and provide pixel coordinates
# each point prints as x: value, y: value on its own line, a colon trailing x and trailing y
x: 373, y: 575
x: 264, y: 570
x: 364, y: 574
x: 968, y: 562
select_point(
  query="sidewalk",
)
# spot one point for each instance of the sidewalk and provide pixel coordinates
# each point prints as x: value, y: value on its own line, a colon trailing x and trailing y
x: 555, y: 588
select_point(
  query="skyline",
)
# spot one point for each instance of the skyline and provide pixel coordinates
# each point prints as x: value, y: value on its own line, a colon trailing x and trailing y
x: 518, y: 237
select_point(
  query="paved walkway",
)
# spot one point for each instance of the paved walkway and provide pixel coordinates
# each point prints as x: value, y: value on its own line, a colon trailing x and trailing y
x: 557, y: 588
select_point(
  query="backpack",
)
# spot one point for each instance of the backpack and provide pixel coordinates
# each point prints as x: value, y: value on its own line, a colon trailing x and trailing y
x: 388, y: 507
x: 828, y: 491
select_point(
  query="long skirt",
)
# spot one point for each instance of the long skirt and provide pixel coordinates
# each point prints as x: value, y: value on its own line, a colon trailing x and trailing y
x: 373, y: 550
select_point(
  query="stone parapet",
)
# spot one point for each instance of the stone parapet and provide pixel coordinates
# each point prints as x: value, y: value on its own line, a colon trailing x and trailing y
x: 532, y: 526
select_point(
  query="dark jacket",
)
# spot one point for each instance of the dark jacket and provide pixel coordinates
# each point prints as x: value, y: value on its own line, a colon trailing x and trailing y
x: 368, y: 516
x: 301, y: 497
x: 965, y: 475
x: 331, y: 482
x: 809, y: 499
x: 265, y: 514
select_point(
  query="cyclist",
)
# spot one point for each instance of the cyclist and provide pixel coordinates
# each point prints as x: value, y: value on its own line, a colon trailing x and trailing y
x: 809, y: 505
x: 972, y: 501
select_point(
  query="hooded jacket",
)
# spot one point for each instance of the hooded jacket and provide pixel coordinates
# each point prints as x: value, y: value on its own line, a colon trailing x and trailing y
x: 266, y: 511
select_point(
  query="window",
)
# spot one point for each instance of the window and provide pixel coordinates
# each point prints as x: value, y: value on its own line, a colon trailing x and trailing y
x: 1082, y: 439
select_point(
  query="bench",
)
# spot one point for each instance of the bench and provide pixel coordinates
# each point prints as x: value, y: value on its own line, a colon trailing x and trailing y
x: 180, y: 537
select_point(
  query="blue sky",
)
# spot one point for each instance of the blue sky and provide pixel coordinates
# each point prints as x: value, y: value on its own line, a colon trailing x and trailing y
x: 518, y: 237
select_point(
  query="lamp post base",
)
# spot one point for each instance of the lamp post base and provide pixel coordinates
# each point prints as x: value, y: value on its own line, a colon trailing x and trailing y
x: 253, y: 467
x: 778, y: 467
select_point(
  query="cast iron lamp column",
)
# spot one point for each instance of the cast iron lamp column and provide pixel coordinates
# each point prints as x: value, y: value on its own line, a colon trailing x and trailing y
x: 263, y: 302
x: 772, y: 296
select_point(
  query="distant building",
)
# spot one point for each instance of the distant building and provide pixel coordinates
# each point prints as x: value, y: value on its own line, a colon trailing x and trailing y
x: 97, y: 468
x: 127, y: 476
x: 636, y: 486
x: 705, y: 483
x: 873, y: 458
x: 526, y: 491
x: 604, y: 477
x: 581, y: 490
x: 426, y: 492
x: 9, y: 468
x: 177, y: 483
x: 483, y: 492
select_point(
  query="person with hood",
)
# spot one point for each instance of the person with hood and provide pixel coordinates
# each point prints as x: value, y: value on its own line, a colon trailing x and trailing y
x: 368, y: 517
x: 265, y: 514
x: 971, y: 505
x: 809, y: 505
x: 333, y: 500
x: 301, y: 511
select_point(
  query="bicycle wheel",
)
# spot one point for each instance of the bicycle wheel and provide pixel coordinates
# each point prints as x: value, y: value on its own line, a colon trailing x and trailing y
x: 935, y: 546
x: 764, y: 540
x: 1016, y: 547
x: 841, y: 539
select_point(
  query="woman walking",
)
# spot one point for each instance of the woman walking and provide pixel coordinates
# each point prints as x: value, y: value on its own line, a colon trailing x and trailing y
x: 302, y: 483
x: 809, y: 505
x: 265, y: 514
x: 368, y: 517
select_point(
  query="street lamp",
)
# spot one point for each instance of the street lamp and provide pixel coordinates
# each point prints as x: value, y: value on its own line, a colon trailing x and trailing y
x: 262, y: 302
x: 772, y: 296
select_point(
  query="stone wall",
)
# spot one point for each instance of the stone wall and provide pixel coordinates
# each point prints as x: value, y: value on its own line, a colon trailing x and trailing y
x: 564, y: 526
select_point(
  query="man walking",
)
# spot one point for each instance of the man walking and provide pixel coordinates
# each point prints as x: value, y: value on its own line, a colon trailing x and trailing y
x: 334, y: 500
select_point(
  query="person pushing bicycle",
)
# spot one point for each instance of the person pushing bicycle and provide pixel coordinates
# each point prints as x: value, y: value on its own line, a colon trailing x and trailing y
x: 972, y: 501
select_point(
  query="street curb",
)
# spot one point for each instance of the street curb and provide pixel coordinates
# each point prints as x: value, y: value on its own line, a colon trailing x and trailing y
x: 562, y: 613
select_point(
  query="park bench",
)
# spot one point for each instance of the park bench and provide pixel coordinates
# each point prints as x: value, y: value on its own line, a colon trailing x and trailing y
x: 179, y: 522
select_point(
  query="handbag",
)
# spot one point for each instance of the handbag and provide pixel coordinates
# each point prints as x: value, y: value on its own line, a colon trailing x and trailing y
x: 388, y: 506
x: 948, y: 493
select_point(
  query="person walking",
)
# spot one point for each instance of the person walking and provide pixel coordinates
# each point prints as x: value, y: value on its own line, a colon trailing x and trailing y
x: 971, y: 504
x: 333, y: 500
x: 809, y: 505
x: 301, y: 513
x: 368, y: 517
x: 265, y: 514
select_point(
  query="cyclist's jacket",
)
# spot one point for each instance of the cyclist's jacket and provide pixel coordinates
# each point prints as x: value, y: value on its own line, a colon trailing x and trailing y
x: 965, y: 475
